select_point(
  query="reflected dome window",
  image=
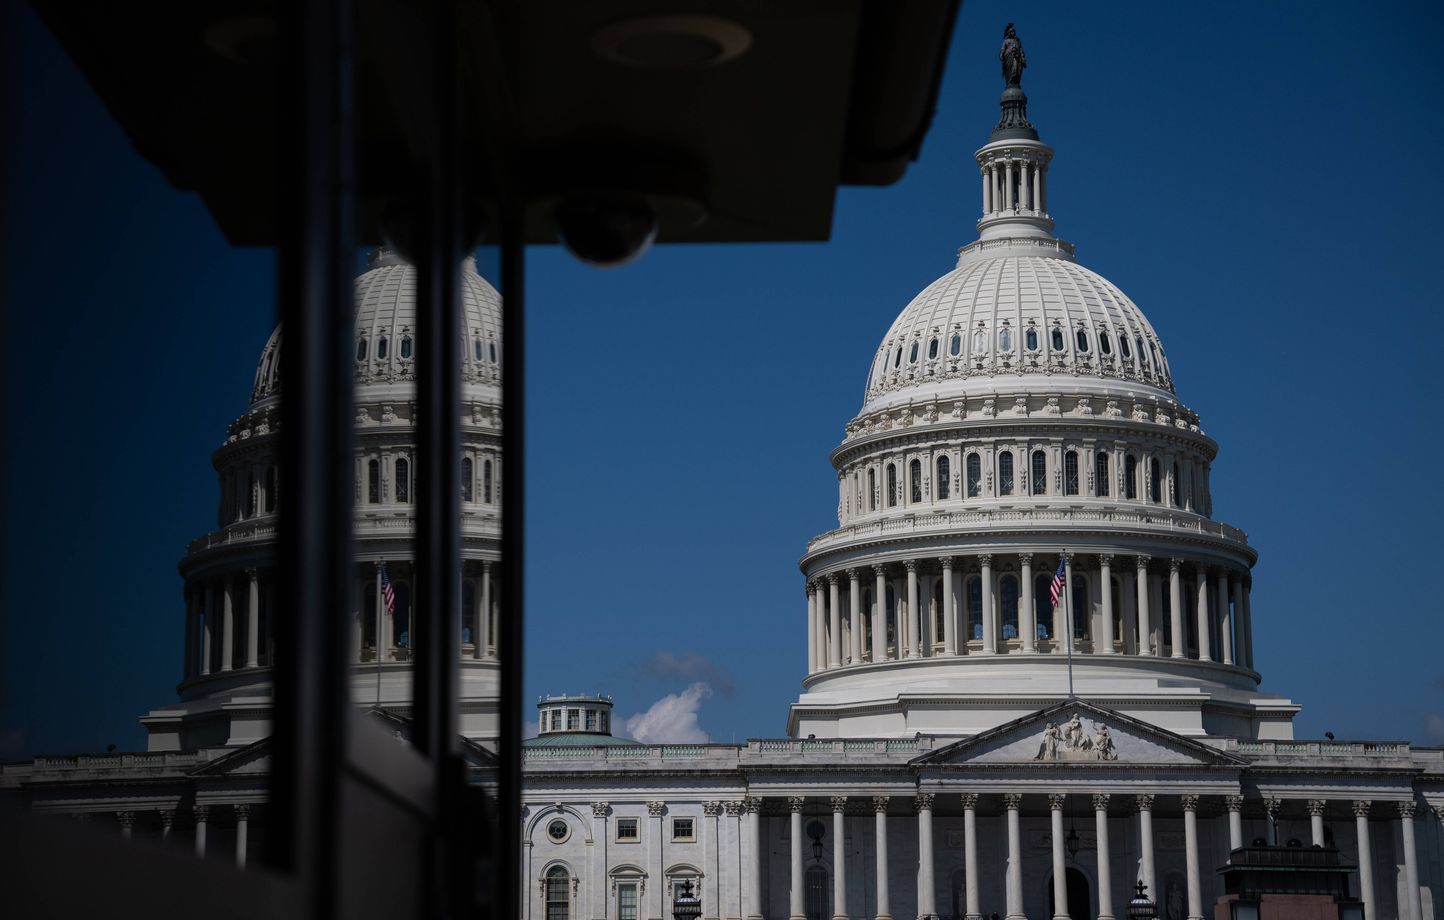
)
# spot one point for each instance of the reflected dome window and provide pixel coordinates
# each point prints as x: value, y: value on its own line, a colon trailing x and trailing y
x: 1005, y: 340
x: 933, y: 349
x: 477, y: 349
x: 980, y: 341
x: 381, y: 348
x: 1123, y: 346
x: 955, y: 345
x: 1030, y: 339
x: 913, y: 354
x: 1105, y: 342
x: 1081, y: 337
x: 1057, y: 339
x: 1142, y: 355
x: 897, y: 357
x: 361, y: 349
x: 492, y: 347
x: 406, y: 346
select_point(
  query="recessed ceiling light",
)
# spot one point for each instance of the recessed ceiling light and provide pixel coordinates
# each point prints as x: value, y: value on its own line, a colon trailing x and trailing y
x: 672, y: 42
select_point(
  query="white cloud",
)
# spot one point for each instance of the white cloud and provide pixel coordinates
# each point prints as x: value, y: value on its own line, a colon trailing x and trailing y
x: 1434, y: 727
x: 529, y: 728
x: 672, y: 719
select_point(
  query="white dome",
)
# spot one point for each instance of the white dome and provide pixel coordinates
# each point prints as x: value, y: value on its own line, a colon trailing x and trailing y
x: 1015, y: 310
x: 386, y: 326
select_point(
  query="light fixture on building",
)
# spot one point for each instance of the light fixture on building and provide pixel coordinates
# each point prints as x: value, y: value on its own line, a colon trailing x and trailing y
x: 1141, y: 908
x: 1072, y: 842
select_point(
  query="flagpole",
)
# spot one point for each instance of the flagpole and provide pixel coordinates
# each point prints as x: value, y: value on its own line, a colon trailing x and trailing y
x: 379, y: 620
x: 1068, y: 618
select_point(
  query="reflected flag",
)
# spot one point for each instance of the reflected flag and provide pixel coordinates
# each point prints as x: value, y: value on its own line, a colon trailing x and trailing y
x: 388, y: 594
x: 1056, y: 589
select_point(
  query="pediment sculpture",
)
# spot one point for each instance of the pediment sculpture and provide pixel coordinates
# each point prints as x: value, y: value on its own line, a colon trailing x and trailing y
x: 1067, y: 741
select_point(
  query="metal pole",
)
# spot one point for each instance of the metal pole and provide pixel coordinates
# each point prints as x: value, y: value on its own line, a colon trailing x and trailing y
x: 376, y: 624
x: 1068, y: 615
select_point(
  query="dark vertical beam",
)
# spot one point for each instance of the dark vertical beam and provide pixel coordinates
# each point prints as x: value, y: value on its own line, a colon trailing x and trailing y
x: 317, y: 251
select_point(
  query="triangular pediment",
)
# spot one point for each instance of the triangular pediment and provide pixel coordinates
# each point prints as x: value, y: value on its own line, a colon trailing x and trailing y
x: 1075, y: 732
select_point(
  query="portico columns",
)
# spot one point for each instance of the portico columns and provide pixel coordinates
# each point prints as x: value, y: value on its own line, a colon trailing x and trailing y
x: 819, y: 602
x: 657, y: 907
x: 754, y: 874
x: 1105, y: 573
x: 839, y: 857
x: 854, y: 616
x: 811, y: 631
x: 202, y: 813
x: 879, y: 807
x: 253, y: 618
x: 228, y: 623
x: 970, y: 854
x: 1225, y: 618
x: 243, y: 825
x: 950, y: 626
x: 1105, y: 877
x: 927, y: 894
x: 601, y: 836
x: 207, y: 640
x: 1145, y: 619
x: 483, y: 618
x: 1012, y: 801
x: 1145, y: 837
x: 1190, y: 855
x: 1234, y: 804
x: 1246, y: 621
x: 1316, y: 822
x: 1366, y: 857
x: 987, y: 190
x: 794, y: 805
x: 1175, y: 609
x: 915, y: 622
x: 990, y: 626
x: 126, y: 820
x: 834, y: 622
x: 167, y: 822
x: 188, y: 665
x: 1202, y: 622
x: 879, y: 614
x: 1060, y: 866
x: 1027, y: 613
x: 1414, y: 901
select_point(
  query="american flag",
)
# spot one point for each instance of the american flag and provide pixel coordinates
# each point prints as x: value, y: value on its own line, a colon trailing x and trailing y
x: 1056, y: 588
x: 388, y: 594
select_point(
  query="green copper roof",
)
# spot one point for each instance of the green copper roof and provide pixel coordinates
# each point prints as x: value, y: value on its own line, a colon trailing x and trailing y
x: 579, y: 739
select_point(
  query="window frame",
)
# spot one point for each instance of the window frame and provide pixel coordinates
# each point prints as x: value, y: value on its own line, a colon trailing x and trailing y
x: 627, y: 821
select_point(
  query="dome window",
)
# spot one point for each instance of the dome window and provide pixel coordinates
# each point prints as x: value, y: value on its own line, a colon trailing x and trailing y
x: 1005, y: 473
x: 373, y: 482
x: 1070, y: 473
x: 1142, y: 355
x: 1081, y: 337
x: 892, y: 489
x: 477, y: 349
x: 1123, y: 346
x: 897, y: 358
x: 1155, y: 487
x: 1100, y: 473
x: 361, y: 349
x: 403, y: 480
x: 467, y: 485
x: 1057, y: 339
x: 1030, y: 338
x: 486, y: 481
x: 1039, y: 482
x: 933, y: 349
x: 1005, y: 340
x: 872, y: 490
x: 1105, y: 342
x: 955, y: 344
x: 1153, y: 354
x: 915, y: 481
x: 913, y: 353
x: 975, y: 476
x: 381, y: 348
x: 491, y: 349
x: 406, y: 347
x: 944, y: 477
x: 980, y: 341
x: 1130, y: 477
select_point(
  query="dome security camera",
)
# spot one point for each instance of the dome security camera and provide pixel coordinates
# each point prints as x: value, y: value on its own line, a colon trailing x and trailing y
x: 607, y: 230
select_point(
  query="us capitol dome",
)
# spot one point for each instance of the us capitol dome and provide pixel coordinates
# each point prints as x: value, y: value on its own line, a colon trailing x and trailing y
x: 1020, y: 412
x: 225, y: 691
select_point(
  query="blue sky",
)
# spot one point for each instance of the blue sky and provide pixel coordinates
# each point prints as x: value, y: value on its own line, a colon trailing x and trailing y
x: 1260, y: 180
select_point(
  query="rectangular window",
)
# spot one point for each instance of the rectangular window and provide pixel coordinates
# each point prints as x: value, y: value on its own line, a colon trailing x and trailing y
x: 574, y: 719
x: 683, y: 830
x: 628, y: 829
x: 606, y: 722
x: 556, y: 720
x: 627, y: 901
x: 591, y: 720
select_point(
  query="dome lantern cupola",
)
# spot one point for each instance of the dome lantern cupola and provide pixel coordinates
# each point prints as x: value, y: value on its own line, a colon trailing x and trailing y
x: 1014, y: 163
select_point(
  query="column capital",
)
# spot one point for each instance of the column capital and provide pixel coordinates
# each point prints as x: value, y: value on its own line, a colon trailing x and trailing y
x: 1233, y: 802
x: 1025, y: 558
x: 1190, y: 802
x: 1012, y: 801
x: 879, y: 570
x: 1406, y: 809
x: 1273, y: 806
x: 1142, y: 561
x: 1174, y: 565
x: 1056, y: 801
x: 854, y: 574
x: 243, y: 812
x: 911, y: 565
x: 1100, y: 801
x: 810, y: 586
x: 923, y: 801
x: 1316, y: 806
x: 600, y: 809
x: 969, y: 799
x: 839, y: 802
x: 945, y: 561
x: 126, y: 819
x: 1202, y: 568
x: 734, y: 808
x: 710, y: 809
x: 253, y: 573
x: 167, y: 817
x: 486, y: 566
x: 1105, y: 558
x: 879, y: 803
x: 1361, y: 808
x: 795, y: 803
x: 831, y: 578
x: 1143, y: 802
x: 1439, y: 813
x: 985, y: 559
x: 656, y: 809
x: 202, y: 812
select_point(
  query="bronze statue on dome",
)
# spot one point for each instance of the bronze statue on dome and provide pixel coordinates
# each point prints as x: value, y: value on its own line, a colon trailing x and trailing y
x: 1012, y: 57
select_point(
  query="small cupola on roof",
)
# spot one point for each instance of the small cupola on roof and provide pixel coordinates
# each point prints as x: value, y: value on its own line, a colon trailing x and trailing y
x: 575, y: 720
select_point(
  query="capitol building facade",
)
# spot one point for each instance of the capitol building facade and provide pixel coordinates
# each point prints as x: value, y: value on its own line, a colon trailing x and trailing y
x: 963, y: 747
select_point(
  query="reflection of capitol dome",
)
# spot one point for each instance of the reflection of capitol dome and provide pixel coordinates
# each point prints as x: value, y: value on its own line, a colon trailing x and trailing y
x: 226, y: 691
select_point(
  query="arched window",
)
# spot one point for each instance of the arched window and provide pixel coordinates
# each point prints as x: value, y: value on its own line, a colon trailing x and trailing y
x: 403, y: 479
x: 1070, y: 473
x: 915, y: 481
x: 892, y: 489
x: 469, y: 634
x: 1153, y: 355
x: 1005, y: 473
x: 872, y: 490
x: 361, y: 349
x: 955, y: 344
x: 476, y: 349
x: 491, y: 350
x: 406, y: 346
x: 897, y: 357
x: 944, y: 474
x: 1080, y: 607
x: 558, y: 894
x: 1030, y: 338
x: 373, y: 482
x: 1057, y: 339
x: 1042, y: 606
x: 980, y: 341
x: 1039, y: 475
x: 1173, y: 488
x: 913, y: 353
x: 975, y: 476
x: 1081, y: 337
x: 1008, y: 595
x: 486, y: 481
x: 1123, y: 346
x: 467, y: 479
x: 270, y: 486
x: 1142, y: 354
x: 251, y: 496
x: 933, y: 348
x: 381, y: 348
x: 1105, y: 342
x: 1005, y: 340
x: 1100, y: 473
x: 1130, y: 477
x: 975, y: 607
x: 1155, y: 488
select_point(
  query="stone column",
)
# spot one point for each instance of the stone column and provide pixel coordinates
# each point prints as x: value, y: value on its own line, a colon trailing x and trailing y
x: 1105, y: 574
x: 253, y: 618
x: 1203, y: 623
x: 1246, y: 621
x: 970, y: 854
x: 950, y: 624
x: 1145, y: 626
x: 1145, y: 839
x: 1027, y: 612
x: 879, y: 807
x: 879, y: 614
x: 126, y: 820
x: 601, y: 906
x: 987, y: 190
x: 1008, y: 186
x: 927, y: 890
x: 208, y: 639
x: 1060, y: 864
x: 839, y: 857
x: 915, y: 622
x: 1225, y: 618
x: 1234, y: 804
x: 1023, y: 185
x: 188, y: 665
x: 1316, y: 821
x: 1190, y: 851
x: 712, y: 909
x: 811, y: 630
x: 1012, y: 801
x: 1415, y: 902
x: 483, y: 619
x: 1366, y: 857
x: 1175, y: 608
x: 754, y: 875
x: 854, y: 615
x: 656, y: 906
x: 819, y: 603
x: 167, y: 822
x: 243, y: 827
x: 1105, y: 876
x: 794, y: 856
x: 834, y: 622
x: 990, y: 625
x: 1038, y: 188
x: 228, y: 623
x: 202, y: 813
